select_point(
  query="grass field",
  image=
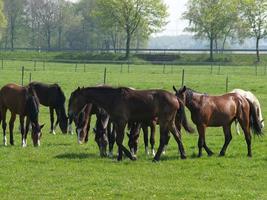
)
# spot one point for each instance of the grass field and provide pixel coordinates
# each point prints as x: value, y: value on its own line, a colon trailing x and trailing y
x: 61, y: 169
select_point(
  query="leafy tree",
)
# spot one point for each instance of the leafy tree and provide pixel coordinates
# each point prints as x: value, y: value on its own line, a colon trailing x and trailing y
x: 254, y: 15
x: 131, y: 14
x: 2, y: 16
x: 212, y: 19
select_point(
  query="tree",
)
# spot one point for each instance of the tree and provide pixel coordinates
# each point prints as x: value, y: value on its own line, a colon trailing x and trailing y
x: 2, y: 16
x: 254, y: 15
x: 211, y: 19
x: 131, y: 14
x: 14, y: 11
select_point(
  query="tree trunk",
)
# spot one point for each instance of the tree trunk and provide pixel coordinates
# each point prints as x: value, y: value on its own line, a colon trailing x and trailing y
x: 257, y: 49
x: 12, y: 30
x: 211, y: 49
x: 128, y: 42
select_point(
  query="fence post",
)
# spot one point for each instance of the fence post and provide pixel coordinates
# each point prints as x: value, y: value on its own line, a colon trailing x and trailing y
x: 211, y: 68
x: 2, y: 63
x: 226, y: 84
x: 219, y: 69
x: 164, y: 69
x: 105, y: 75
x: 121, y: 67
x: 22, y: 75
x: 43, y: 65
x: 84, y: 65
x: 128, y: 66
x: 30, y: 78
x: 34, y: 68
x: 256, y: 69
x: 76, y: 65
x: 182, y: 77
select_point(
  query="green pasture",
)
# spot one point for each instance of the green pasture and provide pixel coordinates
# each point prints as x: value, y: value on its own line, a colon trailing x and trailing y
x: 62, y: 169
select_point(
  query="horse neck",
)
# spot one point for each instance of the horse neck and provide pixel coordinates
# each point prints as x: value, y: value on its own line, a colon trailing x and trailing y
x: 100, y: 97
x: 32, y: 109
x: 191, y: 100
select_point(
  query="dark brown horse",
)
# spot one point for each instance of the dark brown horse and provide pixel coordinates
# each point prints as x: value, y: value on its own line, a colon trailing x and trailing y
x: 134, y: 128
x: 52, y: 96
x: 124, y: 105
x: 103, y: 132
x: 216, y: 111
x: 24, y: 102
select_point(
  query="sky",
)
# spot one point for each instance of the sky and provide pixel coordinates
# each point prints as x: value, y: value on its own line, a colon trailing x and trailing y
x: 175, y: 24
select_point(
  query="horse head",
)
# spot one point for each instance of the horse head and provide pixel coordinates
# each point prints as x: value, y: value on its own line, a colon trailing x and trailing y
x: 181, y: 93
x: 36, y: 134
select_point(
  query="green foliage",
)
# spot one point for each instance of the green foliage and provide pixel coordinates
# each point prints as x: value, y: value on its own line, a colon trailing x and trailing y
x: 61, y: 169
x: 2, y: 17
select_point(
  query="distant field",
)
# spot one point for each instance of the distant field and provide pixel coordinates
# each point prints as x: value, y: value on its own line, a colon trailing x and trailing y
x: 61, y: 169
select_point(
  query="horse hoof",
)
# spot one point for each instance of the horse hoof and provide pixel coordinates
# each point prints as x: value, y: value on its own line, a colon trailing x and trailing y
x: 183, y: 157
x: 221, y: 154
x: 134, y: 158
x: 53, y: 132
x: 249, y: 155
x: 155, y: 160
x: 210, y: 154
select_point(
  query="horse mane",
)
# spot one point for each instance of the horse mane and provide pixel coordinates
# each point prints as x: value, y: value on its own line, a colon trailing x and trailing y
x: 61, y: 96
x: 32, y: 104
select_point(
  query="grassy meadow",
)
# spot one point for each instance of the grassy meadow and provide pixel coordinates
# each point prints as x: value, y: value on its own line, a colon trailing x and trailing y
x: 62, y: 169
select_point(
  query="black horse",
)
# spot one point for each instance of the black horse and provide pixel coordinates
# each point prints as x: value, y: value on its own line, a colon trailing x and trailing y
x: 52, y: 96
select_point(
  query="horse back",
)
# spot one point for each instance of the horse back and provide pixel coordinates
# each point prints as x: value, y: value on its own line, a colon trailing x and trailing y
x: 14, y: 97
x: 49, y: 94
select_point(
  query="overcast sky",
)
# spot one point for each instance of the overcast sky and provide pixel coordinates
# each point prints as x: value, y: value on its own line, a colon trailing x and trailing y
x: 176, y: 25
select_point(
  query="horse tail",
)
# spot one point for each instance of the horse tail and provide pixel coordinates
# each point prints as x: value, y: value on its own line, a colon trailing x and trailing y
x: 254, y: 122
x: 181, y: 117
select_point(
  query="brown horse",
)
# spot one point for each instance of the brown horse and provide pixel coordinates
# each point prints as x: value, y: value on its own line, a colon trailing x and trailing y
x: 103, y: 132
x: 215, y: 111
x: 135, y: 128
x: 124, y: 105
x: 52, y: 96
x: 24, y: 102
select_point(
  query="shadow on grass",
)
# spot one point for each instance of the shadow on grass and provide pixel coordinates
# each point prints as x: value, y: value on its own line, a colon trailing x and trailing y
x: 73, y: 156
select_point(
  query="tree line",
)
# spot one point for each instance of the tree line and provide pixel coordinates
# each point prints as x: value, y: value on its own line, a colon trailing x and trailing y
x: 86, y: 24
x: 124, y: 24
x: 221, y: 20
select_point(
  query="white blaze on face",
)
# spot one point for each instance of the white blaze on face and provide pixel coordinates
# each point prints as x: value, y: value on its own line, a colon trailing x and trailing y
x: 79, y: 130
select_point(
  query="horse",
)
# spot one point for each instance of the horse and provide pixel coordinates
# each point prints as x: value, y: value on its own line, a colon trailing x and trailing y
x: 134, y: 128
x: 135, y: 131
x: 52, y: 96
x: 103, y: 133
x: 216, y: 111
x: 256, y: 103
x: 124, y: 105
x: 24, y: 102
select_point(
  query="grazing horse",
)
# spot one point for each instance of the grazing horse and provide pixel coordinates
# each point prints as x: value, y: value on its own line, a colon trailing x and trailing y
x: 215, y: 111
x: 24, y: 102
x: 135, y: 128
x: 256, y: 103
x: 103, y: 133
x: 52, y: 96
x: 126, y: 105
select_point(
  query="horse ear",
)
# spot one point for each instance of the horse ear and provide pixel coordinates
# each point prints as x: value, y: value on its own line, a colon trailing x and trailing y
x: 175, y: 90
x: 183, y: 89
x: 78, y: 88
x: 42, y: 126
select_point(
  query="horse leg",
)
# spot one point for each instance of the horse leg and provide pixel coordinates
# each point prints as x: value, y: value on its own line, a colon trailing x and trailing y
x: 11, y: 127
x: 152, y: 138
x: 227, y: 137
x: 237, y: 127
x: 162, y: 142
x: 201, y: 139
x: 119, y: 140
x: 51, y: 110
x: 111, y: 139
x: 178, y: 138
x: 3, y: 116
x: 145, y: 132
x: 244, y: 123
x: 22, y: 131
x: 87, y: 128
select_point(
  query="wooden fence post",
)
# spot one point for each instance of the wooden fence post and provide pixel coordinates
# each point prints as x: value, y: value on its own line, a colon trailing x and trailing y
x: 182, y: 77
x: 105, y: 75
x: 22, y: 75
